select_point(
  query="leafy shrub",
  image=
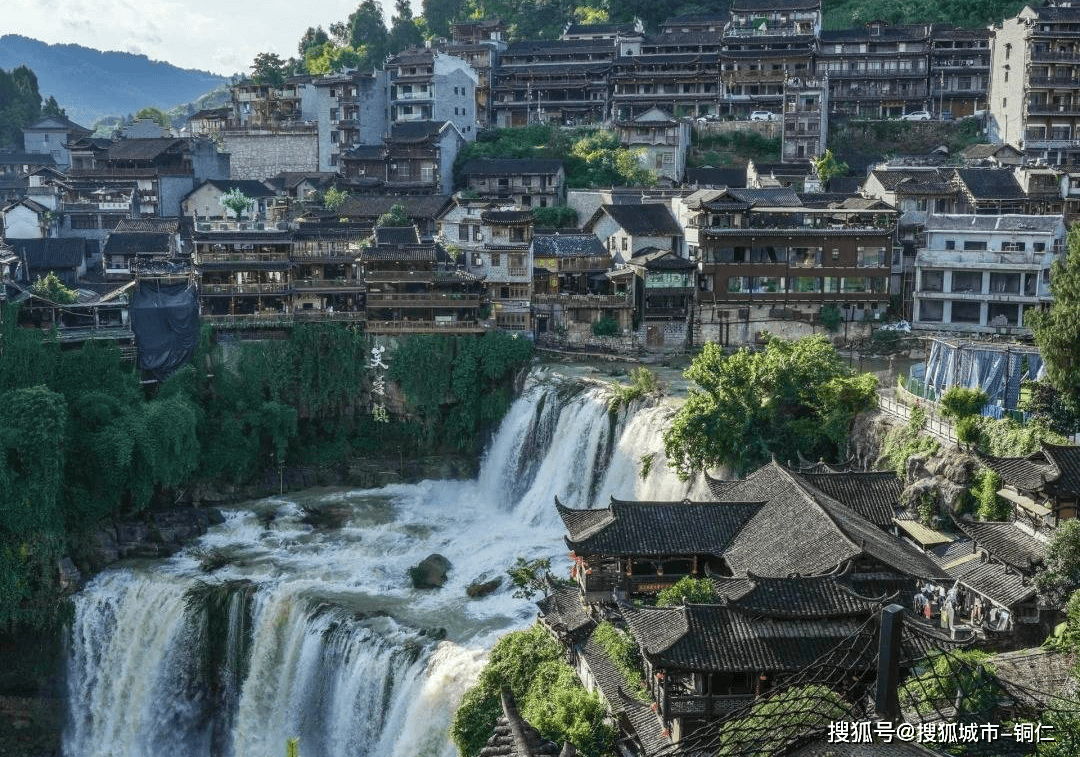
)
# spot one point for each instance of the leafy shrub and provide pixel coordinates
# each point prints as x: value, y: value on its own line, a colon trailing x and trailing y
x: 643, y: 382
x: 606, y: 326
x: 967, y: 430
x: 958, y: 402
x: 694, y: 590
x: 830, y: 318
x: 902, y: 442
x: 623, y: 653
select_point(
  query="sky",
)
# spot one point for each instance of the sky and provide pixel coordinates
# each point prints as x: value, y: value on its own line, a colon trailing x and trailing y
x: 222, y: 36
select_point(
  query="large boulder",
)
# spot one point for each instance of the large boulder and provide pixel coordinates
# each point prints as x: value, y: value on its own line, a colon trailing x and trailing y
x: 481, y: 588
x: 430, y: 573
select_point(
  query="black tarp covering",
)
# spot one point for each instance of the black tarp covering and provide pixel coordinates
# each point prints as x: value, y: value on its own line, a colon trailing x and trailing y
x: 165, y: 319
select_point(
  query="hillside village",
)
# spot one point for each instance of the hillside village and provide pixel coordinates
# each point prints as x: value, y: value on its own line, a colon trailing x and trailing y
x: 953, y: 243
x: 353, y: 198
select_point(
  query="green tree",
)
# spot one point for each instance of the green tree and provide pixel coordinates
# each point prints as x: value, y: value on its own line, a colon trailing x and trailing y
x: 961, y: 678
x: 20, y: 104
x: 314, y: 37
x: 365, y: 29
x: 439, y: 14
x: 698, y: 591
x: 268, y: 68
x: 1050, y: 406
x: 530, y: 577
x: 52, y: 108
x: 155, y: 115
x: 333, y: 197
x: 1062, y: 575
x: 1057, y: 329
x: 793, y: 397
x: 53, y: 289
x: 404, y: 31
x: 236, y: 201
x: 829, y: 168
x: 396, y: 216
x: 556, y: 217
x: 959, y: 402
x: 831, y: 318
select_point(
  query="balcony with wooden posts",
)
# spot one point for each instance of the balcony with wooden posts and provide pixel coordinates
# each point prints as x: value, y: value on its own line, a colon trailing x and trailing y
x: 424, y: 327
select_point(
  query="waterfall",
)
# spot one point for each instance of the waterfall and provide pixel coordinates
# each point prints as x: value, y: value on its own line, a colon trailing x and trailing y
x: 318, y: 633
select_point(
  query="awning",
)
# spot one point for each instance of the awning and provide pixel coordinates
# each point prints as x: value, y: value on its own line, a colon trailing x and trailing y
x: 926, y: 537
x: 1025, y: 502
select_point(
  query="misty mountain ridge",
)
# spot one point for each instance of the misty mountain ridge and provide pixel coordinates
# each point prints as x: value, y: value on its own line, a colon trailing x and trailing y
x: 92, y: 84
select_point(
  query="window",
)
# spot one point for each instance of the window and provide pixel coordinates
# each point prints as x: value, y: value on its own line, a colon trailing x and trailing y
x: 931, y: 310
x: 463, y: 232
x: 967, y: 281
x: 476, y: 234
x: 973, y: 245
x: 496, y: 260
x: 966, y: 312
x: 624, y: 244
x: 950, y: 244
x: 1013, y: 246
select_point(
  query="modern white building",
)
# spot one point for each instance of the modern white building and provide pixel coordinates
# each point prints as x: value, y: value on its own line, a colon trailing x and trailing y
x: 979, y: 273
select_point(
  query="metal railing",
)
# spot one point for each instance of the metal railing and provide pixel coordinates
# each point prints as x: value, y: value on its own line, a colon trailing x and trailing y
x: 423, y: 327
x: 934, y: 424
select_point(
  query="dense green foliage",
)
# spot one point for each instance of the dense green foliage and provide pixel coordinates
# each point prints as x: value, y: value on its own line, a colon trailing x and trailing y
x: 1057, y: 330
x: 831, y: 318
x: 732, y: 148
x: 958, y: 402
x: 530, y: 577
x: 842, y: 14
x: 1062, y: 575
x: 82, y: 442
x: 549, y: 695
x: 150, y: 113
x: 52, y: 289
x: 20, y: 104
x: 643, y: 383
x: 1005, y: 437
x: 591, y: 157
x: 828, y: 167
x: 792, y: 398
x: 605, y: 326
x: 693, y: 590
x: 555, y: 217
x: 396, y: 216
x: 1050, y: 407
x: 457, y: 388
x: 984, y: 489
x: 901, y: 442
x: 623, y: 653
x: 236, y: 201
x: 960, y: 678
x: 773, y: 723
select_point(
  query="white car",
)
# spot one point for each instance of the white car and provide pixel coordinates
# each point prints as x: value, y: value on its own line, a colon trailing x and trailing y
x: 763, y: 115
x: 916, y: 115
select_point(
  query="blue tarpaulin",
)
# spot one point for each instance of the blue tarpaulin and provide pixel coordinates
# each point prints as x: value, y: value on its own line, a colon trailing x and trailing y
x: 996, y: 369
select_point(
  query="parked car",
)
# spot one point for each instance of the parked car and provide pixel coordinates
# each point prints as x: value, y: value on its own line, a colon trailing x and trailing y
x: 916, y: 115
x: 763, y: 115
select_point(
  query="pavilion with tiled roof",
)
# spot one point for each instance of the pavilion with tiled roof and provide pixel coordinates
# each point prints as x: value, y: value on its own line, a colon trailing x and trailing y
x: 1044, y: 487
x: 825, y: 596
x: 515, y: 737
x: 875, y: 495
x: 802, y: 530
x: 1006, y: 542
x: 642, y: 547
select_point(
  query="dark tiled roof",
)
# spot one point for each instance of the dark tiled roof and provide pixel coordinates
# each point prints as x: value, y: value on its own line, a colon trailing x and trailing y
x: 610, y: 28
x: 723, y: 638
x: 415, y: 131
x: 1033, y: 676
x: 719, y: 487
x: 774, y: 5
x: 510, y: 166
x: 141, y: 148
x: 514, y: 737
x: 796, y: 597
x: 935, y: 180
x: 250, y: 187
x: 41, y: 254
x: 156, y: 225
x: 991, y: 579
x: 134, y: 242
x: 563, y: 612
x: 1067, y: 461
x: 784, y: 197
x: 1031, y: 473
x: 647, y: 724
x: 873, y: 495
x: 647, y: 219
x: 18, y: 157
x: 567, y: 245
x: 373, y: 206
x: 991, y: 183
x: 659, y: 260
x: 416, y: 253
x: 1005, y: 542
x: 396, y: 235
x: 656, y: 528
x: 59, y: 122
x: 801, y: 530
x: 506, y: 217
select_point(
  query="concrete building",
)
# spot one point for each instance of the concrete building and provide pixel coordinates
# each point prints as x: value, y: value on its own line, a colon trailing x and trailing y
x: 979, y: 273
x: 351, y: 109
x: 1034, y: 87
x: 805, y: 128
x: 662, y: 139
x: 427, y: 85
x: 51, y: 136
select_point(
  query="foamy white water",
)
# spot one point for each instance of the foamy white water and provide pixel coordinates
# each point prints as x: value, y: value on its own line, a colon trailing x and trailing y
x: 319, y: 633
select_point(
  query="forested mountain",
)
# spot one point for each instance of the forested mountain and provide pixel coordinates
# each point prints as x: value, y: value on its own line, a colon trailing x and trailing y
x: 91, y: 84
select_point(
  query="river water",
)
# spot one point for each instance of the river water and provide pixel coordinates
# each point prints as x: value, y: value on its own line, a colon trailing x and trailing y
x: 318, y: 633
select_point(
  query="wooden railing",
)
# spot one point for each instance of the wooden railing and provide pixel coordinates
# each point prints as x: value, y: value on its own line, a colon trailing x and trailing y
x: 422, y: 327
x: 241, y: 256
x: 327, y: 284
x: 275, y: 288
x: 271, y: 320
x: 584, y: 300
x: 423, y: 299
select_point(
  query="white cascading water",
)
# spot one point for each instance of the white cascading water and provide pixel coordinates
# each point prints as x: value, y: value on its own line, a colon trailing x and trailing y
x: 318, y: 633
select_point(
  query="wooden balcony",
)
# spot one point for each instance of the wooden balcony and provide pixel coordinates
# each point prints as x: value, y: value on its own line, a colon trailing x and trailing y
x: 281, y: 320
x: 584, y: 300
x: 327, y: 284
x: 240, y: 257
x: 424, y: 327
x: 273, y: 288
x: 422, y: 300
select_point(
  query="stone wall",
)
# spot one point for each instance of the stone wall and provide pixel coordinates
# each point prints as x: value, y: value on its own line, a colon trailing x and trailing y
x: 767, y: 129
x: 262, y: 154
